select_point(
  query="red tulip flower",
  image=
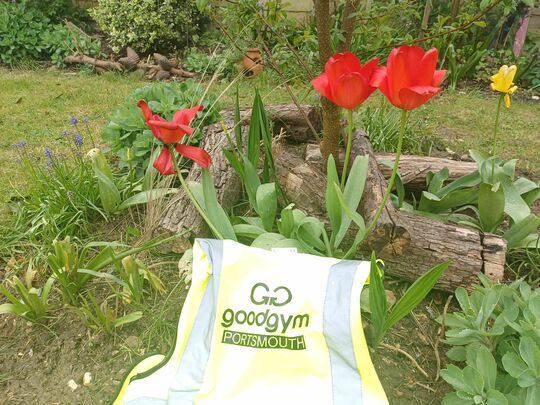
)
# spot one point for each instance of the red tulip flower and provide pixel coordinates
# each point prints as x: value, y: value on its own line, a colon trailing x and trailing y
x: 345, y: 81
x: 410, y: 78
x: 172, y: 133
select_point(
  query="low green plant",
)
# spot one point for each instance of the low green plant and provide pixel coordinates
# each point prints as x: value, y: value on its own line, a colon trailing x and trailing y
x: 491, y: 193
x: 66, y: 40
x: 382, y: 126
x: 27, y: 33
x: 148, y: 25
x: 73, y: 266
x: 382, y: 316
x: 496, y: 334
x: 26, y: 301
x: 61, y: 199
x: 102, y: 317
x: 127, y: 130
x: 122, y: 192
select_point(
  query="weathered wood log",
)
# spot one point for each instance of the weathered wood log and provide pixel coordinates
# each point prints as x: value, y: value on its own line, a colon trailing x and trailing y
x: 412, y: 169
x: 181, y: 215
x: 296, y: 124
x: 130, y: 63
x: 409, y: 244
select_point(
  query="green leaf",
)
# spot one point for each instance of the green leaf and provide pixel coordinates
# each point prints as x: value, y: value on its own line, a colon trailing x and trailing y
x: 467, y: 181
x: 108, y: 276
x: 474, y: 379
x: 454, y: 376
x: 491, y: 205
x: 530, y: 353
x: 144, y: 197
x: 350, y: 213
x: 478, y: 157
x: 286, y: 223
x: 267, y: 204
x: 521, y: 230
x: 309, y: 233
x: 513, y: 364
x: 352, y: 194
x: 495, y: 397
x: 415, y: 294
x: 108, y: 192
x: 453, y: 399
x: 486, y: 365
x: 238, y: 125
x: 8, y: 309
x: 438, y: 180
x: 134, y: 316
x: 333, y: 207
x: 248, y: 231
x: 378, y: 303
x: 457, y: 198
x: 514, y: 206
x: 214, y: 210
x: 267, y: 240
x: 251, y: 182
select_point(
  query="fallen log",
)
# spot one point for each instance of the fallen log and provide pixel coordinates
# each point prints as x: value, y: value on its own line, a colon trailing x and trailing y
x: 412, y: 169
x: 164, y: 69
x: 409, y: 244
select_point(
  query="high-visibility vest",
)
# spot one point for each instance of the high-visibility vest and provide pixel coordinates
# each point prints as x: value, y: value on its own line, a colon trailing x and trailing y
x: 263, y: 327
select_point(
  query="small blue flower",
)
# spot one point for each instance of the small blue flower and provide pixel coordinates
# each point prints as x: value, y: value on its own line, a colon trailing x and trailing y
x: 19, y: 145
x: 50, y: 164
x: 65, y: 133
x: 48, y: 153
x: 78, y: 140
x: 73, y: 121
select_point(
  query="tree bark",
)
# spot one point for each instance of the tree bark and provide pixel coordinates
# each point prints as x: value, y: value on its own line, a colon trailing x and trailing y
x: 409, y: 244
x: 331, y: 112
x: 347, y: 24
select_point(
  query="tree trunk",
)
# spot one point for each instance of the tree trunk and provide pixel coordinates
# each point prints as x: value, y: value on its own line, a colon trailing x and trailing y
x: 331, y: 112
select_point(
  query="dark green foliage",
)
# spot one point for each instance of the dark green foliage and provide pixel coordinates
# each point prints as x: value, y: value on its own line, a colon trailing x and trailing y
x: 127, y: 128
x: 27, y: 33
x: 148, y: 25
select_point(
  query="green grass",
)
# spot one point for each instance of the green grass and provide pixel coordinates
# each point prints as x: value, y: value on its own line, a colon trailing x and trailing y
x: 36, y: 106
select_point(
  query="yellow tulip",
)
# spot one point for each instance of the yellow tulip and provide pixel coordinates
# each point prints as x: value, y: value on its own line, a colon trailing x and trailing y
x: 503, y: 81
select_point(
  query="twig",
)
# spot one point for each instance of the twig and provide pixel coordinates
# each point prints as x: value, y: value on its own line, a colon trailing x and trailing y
x: 424, y: 386
x: 411, y: 358
x: 441, y: 335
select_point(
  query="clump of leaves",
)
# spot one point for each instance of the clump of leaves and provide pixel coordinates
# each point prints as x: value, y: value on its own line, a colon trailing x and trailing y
x: 497, y: 337
x: 127, y: 129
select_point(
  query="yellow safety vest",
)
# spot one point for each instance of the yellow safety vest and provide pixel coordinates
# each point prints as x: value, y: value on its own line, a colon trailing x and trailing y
x: 263, y: 327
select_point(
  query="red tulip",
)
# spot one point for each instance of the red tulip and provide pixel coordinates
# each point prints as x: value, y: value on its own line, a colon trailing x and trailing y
x: 410, y: 78
x: 198, y: 155
x: 345, y: 81
x: 164, y: 162
x: 172, y: 132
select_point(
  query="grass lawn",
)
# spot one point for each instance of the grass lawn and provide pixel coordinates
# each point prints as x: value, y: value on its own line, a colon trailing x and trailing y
x: 37, y: 105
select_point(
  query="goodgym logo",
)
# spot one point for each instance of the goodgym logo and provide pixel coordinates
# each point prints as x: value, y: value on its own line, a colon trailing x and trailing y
x: 264, y: 296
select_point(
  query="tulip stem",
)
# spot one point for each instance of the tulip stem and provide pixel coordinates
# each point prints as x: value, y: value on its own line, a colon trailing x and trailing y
x: 494, y: 146
x: 403, y: 125
x: 348, y: 150
x: 192, y: 197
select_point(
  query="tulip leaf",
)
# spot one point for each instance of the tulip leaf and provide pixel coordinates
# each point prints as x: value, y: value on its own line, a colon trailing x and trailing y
x: 267, y: 204
x: 108, y: 192
x: 469, y: 180
x: 415, y: 294
x: 215, y: 212
x: 267, y: 240
x: 248, y: 231
x: 378, y: 302
x: 437, y: 181
x: 145, y: 197
x: 333, y: 208
x: 352, y: 194
x: 490, y: 206
x: 514, y: 206
x: 521, y: 230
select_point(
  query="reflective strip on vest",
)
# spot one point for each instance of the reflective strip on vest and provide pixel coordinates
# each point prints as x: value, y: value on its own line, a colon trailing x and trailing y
x: 259, y: 327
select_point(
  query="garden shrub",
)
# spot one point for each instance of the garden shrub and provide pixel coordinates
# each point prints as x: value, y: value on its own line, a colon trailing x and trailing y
x: 127, y: 128
x: 27, y: 33
x: 496, y: 335
x: 148, y: 25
